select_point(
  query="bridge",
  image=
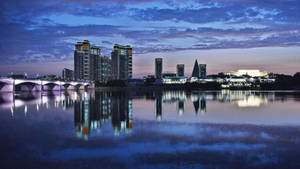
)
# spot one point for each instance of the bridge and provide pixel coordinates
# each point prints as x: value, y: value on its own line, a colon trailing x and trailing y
x: 12, y: 85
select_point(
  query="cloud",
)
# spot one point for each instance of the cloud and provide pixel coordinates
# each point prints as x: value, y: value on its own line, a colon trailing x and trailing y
x: 34, y: 31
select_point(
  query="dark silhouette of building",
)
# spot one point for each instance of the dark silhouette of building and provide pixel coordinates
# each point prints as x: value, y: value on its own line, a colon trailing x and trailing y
x: 196, y: 69
x: 158, y: 68
x: 180, y: 69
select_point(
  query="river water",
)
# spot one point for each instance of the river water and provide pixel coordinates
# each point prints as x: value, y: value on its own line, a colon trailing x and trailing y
x: 150, y: 129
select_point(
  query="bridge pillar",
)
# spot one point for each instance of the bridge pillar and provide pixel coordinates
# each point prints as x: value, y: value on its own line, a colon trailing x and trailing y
x: 13, y: 86
x: 9, y: 86
x: 37, y: 87
x: 42, y: 86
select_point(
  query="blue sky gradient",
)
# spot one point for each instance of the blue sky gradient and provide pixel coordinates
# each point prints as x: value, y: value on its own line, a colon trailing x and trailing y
x: 39, y: 36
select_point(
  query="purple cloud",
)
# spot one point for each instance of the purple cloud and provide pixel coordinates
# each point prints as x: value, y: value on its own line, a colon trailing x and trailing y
x: 33, y: 31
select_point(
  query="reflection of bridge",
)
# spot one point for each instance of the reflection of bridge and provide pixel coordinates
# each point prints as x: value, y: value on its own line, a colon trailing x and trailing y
x: 11, y: 85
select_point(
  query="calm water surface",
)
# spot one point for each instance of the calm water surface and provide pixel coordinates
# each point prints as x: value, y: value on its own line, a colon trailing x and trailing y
x: 134, y: 129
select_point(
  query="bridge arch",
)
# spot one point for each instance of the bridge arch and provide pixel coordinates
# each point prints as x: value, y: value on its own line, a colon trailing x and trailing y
x: 3, y: 85
x: 86, y: 86
x: 67, y: 86
x: 27, y: 86
x: 47, y: 86
x: 79, y: 86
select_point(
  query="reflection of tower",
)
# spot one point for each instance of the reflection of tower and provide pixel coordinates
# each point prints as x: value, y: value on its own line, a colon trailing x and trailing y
x: 158, y: 106
x: 105, y: 105
x: 196, y: 106
x: 158, y: 68
x: 180, y: 107
x: 121, y: 113
x: 89, y: 112
x: 199, y: 102
x: 67, y: 102
x: 203, y: 105
x: 82, y: 118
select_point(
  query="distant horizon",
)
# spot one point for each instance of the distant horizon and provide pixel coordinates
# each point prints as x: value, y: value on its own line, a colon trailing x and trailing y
x: 69, y: 64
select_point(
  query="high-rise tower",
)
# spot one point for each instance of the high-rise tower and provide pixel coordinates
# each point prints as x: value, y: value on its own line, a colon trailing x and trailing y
x: 104, y: 74
x: 121, y: 62
x: 180, y: 70
x: 86, y: 58
x: 158, y: 68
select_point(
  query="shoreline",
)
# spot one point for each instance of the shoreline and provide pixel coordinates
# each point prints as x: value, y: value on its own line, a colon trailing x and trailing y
x: 164, y: 88
x: 187, y: 88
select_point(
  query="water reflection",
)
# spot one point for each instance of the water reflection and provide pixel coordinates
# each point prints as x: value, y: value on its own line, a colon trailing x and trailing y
x: 150, y: 129
x: 107, y: 102
x: 98, y: 108
x: 246, y: 98
x: 93, y: 109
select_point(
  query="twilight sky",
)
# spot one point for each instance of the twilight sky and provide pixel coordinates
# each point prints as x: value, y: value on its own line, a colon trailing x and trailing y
x: 38, y: 36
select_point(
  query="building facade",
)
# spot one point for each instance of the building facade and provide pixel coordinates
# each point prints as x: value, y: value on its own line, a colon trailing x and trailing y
x: 158, y: 68
x: 180, y: 69
x: 86, y: 61
x: 202, y: 71
x: 121, y: 58
x: 105, y: 71
x: 67, y: 74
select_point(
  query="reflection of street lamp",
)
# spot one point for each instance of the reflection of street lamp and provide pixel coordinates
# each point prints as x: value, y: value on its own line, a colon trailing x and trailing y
x: 12, y: 111
x: 25, y: 110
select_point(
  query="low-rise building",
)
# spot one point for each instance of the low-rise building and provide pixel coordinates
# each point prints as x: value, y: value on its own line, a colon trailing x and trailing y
x: 248, y: 72
x: 67, y: 74
x: 49, y: 77
x: 174, y: 80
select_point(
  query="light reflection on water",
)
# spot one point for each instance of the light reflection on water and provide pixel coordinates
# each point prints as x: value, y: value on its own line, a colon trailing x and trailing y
x: 94, y: 109
x: 150, y: 129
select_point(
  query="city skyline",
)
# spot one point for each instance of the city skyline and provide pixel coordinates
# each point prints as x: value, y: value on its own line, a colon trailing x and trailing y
x: 38, y: 37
